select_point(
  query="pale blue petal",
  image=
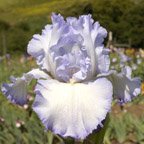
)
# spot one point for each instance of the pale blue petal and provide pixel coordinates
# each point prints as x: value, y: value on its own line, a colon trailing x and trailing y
x: 93, y: 35
x: 103, y: 60
x: 71, y: 58
x: 125, y: 88
x: 98, y: 34
x: 83, y: 25
x: 87, y: 25
x: 16, y: 91
x: 57, y: 19
x: 72, y: 109
x: 59, y: 28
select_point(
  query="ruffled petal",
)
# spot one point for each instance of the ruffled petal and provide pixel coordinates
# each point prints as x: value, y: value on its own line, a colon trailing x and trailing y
x: 72, y: 109
x: 125, y: 88
x: 16, y: 91
x: 39, y: 46
x: 71, y: 58
x: 98, y: 34
x: 93, y: 35
x: 103, y: 60
x: 60, y: 39
x: 87, y: 25
x: 60, y: 28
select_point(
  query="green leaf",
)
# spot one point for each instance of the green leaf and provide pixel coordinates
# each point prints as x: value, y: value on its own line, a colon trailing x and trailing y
x: 69, y: 140
x: 97, y: 137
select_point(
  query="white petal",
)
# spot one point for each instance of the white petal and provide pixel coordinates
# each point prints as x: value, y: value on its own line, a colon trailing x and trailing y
x: 36, y: 74
x: 73, y: 109
x: 38, y: 48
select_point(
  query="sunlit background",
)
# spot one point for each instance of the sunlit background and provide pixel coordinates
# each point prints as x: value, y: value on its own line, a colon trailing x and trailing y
x: 20, y: 19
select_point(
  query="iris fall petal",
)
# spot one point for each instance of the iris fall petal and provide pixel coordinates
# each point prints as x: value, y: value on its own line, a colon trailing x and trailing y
x: 125, y: 88
x: 16, y: 91
x: 72, y: 109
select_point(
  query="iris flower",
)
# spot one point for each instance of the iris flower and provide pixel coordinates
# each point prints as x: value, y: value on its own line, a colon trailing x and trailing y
x: 75, y: 86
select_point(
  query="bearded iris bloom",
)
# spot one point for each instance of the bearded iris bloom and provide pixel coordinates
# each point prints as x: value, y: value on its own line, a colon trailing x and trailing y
x: 75, y: 86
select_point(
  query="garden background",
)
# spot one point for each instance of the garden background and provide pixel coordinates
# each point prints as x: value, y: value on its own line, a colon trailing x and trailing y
x: 20, y: 19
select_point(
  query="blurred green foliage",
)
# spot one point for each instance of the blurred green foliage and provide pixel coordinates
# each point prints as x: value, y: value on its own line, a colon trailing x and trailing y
x: 123, y: 18
x: 125, y: 129
x: 20, y: 19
